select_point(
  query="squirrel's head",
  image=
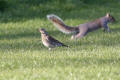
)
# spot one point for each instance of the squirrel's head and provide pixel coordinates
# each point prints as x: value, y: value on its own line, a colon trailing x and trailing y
x: 110, y: 18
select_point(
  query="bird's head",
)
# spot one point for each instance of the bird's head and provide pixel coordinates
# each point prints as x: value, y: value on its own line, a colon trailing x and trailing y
x: 43, y: 31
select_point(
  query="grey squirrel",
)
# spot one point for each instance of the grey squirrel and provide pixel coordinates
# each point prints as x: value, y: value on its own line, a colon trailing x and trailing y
x: 81, y: 30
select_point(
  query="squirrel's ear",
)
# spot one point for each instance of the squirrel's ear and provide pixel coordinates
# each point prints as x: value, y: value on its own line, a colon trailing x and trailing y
x: 108, y: 14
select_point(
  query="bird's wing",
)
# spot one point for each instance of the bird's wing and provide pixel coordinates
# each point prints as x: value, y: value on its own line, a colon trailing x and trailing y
x: 54, y: 41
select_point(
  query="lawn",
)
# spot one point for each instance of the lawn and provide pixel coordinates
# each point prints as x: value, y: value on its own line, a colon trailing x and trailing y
x: 23, y: 56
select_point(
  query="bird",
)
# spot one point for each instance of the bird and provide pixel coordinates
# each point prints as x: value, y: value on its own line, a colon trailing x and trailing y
x: 49, y: 41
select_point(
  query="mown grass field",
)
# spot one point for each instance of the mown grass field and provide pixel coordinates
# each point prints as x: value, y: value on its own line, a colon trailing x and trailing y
x: 23, y: 56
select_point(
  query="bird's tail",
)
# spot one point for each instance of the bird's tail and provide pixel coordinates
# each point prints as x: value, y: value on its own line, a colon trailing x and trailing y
x: 65, y: 45
x: 58, y: 22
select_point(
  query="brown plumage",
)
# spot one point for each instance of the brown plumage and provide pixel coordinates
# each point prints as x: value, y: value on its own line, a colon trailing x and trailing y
x: 49, y: 41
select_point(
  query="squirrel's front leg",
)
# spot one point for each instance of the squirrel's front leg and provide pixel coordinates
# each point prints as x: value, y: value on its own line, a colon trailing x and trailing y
x: 106, y: 27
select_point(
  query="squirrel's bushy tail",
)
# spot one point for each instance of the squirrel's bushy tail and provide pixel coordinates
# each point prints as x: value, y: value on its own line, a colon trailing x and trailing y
x: 58, y: 22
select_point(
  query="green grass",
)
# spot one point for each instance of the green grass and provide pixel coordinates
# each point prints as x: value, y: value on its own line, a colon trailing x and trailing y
x: 23, y: 56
